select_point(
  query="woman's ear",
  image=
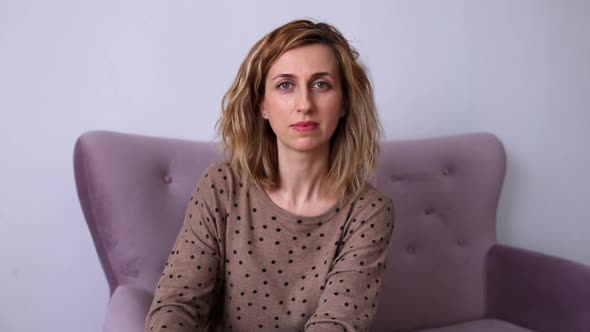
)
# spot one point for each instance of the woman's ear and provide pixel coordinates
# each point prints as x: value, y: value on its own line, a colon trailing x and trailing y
x: 344, y: 109
x: 262, y: 109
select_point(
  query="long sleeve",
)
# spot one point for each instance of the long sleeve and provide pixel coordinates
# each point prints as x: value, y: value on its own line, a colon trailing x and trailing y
x: 350, y: 295
x: 185, y: 298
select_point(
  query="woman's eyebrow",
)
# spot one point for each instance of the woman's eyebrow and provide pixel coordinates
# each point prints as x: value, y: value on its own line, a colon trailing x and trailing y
x: 284, y: 75
x: 313, y: 76
x: 321, y: 74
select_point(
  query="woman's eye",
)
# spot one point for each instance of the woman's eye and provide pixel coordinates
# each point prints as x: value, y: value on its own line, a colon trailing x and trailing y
x: 284, y: 85
x: 322, y: 85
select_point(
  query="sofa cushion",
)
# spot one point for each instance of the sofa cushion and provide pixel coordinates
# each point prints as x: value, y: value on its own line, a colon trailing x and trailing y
x: 483, y: 325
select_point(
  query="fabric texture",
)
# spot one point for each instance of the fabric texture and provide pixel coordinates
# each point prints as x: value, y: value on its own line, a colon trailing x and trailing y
x: 482, y: 325
x: 542, y: 292
x: 241, y: 263
x: 126, y: 310
x: 446, y: 192
x: 133, y: 190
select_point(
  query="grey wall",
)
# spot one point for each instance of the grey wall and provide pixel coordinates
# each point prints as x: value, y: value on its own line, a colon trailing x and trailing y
x: 520, y: 69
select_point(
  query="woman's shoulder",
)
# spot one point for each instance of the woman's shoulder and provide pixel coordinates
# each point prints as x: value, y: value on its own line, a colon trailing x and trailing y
x: 217, y: 169
x: 370, y: 200
x: 219, y: 174
x: 369, y: 193
x: 216, y: 184
x: 376, y: 206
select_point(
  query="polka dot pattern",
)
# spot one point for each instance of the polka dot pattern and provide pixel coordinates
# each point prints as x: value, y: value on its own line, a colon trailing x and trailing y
x: 241, y: 263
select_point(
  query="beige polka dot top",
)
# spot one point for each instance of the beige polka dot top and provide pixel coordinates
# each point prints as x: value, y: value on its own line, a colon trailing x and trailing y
x: 241, y: 263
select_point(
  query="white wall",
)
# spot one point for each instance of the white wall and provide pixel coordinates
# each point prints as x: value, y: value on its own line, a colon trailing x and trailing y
x: 520, y: 69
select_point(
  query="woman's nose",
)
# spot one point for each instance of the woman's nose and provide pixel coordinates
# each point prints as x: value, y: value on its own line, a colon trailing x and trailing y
x: 303, y: 101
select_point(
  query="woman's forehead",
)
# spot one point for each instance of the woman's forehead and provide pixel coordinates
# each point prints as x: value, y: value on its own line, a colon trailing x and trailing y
x: 305, y: 61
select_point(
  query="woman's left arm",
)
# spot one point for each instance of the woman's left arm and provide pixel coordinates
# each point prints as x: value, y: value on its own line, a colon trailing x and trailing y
x: 350, y: 296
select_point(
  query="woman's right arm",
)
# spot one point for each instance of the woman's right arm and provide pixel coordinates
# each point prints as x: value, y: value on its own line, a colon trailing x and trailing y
x: 185, y: 295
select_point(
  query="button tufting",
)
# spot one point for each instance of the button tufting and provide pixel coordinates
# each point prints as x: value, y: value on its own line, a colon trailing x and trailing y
x: 460, y: 242
x: 167, y: 179
x: 428, y: 211
x: 396, y: 178
x: 411, y: 249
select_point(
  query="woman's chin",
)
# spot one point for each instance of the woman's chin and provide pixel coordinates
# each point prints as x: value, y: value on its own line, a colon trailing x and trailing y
x: 310, y: 146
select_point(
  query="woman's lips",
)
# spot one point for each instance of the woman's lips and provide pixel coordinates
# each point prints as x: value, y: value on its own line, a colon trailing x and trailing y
x: 305, y: 126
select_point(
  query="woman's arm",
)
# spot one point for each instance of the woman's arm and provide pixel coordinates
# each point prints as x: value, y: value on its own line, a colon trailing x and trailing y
x: 185, y: 295
x: 349, y: 299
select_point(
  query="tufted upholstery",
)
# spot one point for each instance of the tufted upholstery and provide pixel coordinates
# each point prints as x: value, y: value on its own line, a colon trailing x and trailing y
x: 445, y: 271
x: 446, y: 191
x: 134, y: 191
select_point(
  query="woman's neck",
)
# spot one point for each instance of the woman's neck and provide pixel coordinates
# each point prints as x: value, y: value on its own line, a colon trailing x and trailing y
x: 303, y: 183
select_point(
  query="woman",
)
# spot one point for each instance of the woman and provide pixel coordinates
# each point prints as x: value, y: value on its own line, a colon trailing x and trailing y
x: 286, y: 236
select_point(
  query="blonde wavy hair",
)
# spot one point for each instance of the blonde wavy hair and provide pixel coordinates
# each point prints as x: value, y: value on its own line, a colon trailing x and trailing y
x: 251, y: 143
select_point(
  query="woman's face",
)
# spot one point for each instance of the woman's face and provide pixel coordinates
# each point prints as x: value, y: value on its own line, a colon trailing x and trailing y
x: 303, y: 99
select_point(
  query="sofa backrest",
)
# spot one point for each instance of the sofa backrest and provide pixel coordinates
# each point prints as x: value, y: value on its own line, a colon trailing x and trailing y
x: 446, y: 192
x: 134, y: 189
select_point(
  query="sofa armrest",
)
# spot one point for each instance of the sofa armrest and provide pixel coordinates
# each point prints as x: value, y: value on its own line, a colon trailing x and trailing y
x: 127, y: 310
x: 538, y: 291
